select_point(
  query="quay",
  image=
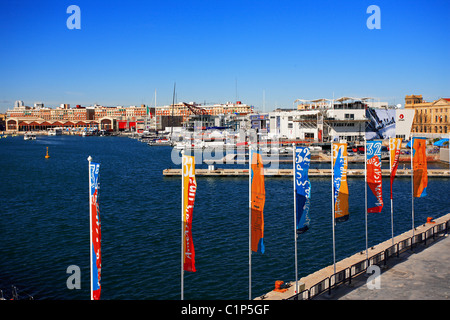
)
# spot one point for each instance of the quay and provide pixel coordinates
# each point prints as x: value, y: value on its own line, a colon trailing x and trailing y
x: 414, y: 267
x: 220, y: 172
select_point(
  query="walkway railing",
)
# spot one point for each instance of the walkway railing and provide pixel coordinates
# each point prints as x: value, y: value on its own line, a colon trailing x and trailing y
x: 381, y: 258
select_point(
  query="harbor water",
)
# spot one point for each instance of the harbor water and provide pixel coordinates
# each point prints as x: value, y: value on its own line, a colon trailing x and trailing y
x: 44, y: 222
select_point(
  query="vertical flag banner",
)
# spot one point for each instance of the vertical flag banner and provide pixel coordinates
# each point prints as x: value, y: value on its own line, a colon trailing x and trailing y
x: 374, y: 178
x: 258, y: 200
x: 302, y: 188
x: 420, y: 175
x: 189, y: 191
x: 340, y: 162
x: 395, y: 145
x: 96, y: 259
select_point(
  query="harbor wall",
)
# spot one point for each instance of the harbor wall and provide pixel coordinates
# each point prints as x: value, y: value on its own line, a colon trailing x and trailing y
x: 325, y: 280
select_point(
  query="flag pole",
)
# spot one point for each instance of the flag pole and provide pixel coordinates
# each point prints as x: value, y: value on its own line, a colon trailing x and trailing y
x: 333, y: 221
x: 412, y: 187
x: 182, y: 225
x: 390, y: 176
x: 365, y: 193
x: 90, y: 229
x: 249, y: 221
x: 295, y: 217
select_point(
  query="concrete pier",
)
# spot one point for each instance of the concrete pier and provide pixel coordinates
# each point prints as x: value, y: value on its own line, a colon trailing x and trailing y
x: 419, y: 273
x: 312, y: 172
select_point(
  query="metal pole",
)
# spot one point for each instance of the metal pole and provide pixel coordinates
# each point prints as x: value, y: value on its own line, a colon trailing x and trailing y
x: 412, y: 188
x: 90, y: 229
x: 249, y: 221
x: 365, y: 194
x: 182, y: 224
x: 332, y: 205
x: 390, y: 173
x: 295, y: 217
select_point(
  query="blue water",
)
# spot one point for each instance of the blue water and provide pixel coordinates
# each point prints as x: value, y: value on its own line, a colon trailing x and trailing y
x: 44, y: 223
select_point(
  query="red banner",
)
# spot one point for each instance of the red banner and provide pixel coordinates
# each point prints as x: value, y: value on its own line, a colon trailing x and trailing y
x: 189, y: 191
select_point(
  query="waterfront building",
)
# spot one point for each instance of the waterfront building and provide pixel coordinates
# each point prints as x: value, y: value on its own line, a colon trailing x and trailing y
x: 345, y: 118
x: 179, y: 114
x: 431, y: 119
x: 119, y: 118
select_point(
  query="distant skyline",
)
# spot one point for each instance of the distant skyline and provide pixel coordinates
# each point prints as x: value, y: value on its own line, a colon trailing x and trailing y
x: 219, y: 51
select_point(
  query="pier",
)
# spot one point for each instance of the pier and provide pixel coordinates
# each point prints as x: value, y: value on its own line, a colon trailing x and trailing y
x: 444, y: 173
x: 430, y: 240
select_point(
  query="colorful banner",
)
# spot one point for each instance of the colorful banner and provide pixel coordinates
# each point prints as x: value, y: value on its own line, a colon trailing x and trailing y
x: 420, y: 175
x: 258, y: 200
x: 395, y: 145
x: 96, y: 259
x: 189, y: 191
x: 302, y: 188
x: 340, y: 196
x: 374, y: 178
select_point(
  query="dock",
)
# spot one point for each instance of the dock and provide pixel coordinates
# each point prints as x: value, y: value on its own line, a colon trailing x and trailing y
x: 221, y: 172
x: 325, y: 283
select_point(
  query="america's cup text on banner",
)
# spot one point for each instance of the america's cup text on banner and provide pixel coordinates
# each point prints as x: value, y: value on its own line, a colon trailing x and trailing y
x: 302, y: 188
x: 96, y: 260
x: 258, y: 200
x: 374, y: 178
x: 341, y: 194
x: 189, y: 191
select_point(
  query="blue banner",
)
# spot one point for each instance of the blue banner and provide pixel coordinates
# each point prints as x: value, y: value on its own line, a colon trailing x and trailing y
x: 373, y: 175
x: 302, y: 188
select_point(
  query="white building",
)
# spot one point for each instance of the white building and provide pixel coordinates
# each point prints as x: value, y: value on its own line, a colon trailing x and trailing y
x: 403, y: 123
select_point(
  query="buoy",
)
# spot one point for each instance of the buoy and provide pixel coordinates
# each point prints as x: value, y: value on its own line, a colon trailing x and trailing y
x: 278, y: 285
x: 47, y: 156
x: 429, y: 220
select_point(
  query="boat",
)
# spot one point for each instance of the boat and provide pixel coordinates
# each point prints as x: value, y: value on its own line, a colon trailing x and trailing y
x: 54, y: 132
x: 29, y: 136
x: 159, y: 142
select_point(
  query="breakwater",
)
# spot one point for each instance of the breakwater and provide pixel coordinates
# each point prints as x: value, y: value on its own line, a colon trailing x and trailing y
x: 311, y: 173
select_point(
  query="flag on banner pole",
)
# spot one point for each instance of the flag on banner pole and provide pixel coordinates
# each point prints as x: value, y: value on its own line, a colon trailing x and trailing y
x: 340, y: 185
x: 302, y: 188
x: 258, y: 198
x: 189, y: 191
x: 95, y: 231
x: 395, y: 145
x: 374, y: 178
x: 420, y: 174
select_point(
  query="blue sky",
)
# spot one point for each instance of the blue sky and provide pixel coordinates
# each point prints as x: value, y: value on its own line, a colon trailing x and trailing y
x: 218, y: 51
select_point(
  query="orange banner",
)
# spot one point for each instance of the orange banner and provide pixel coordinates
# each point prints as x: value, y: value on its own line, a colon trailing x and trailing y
x: 340, y: 162
x: 258, y: 199
x: 420, y: 174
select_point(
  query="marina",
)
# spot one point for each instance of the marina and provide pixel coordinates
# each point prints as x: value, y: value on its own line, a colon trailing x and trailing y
x: 140, y: 206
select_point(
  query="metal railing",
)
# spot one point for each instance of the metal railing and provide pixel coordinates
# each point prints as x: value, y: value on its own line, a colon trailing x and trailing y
x: 333, y: 281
